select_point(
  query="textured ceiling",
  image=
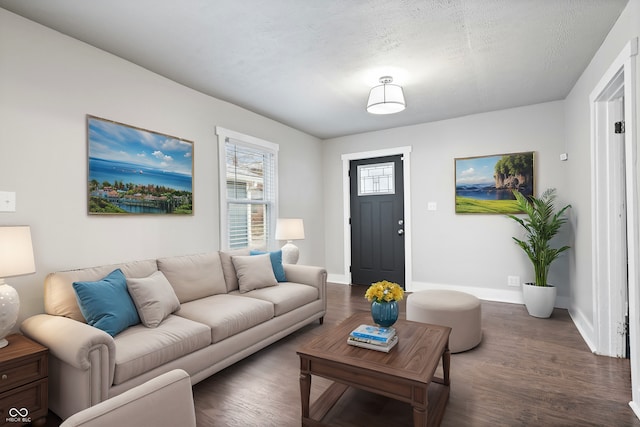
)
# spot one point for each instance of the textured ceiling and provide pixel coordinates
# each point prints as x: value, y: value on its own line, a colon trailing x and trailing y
x: 310, y: 64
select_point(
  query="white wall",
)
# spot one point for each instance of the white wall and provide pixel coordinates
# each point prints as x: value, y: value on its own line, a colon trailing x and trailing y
x: 577, y: 112
x: 472, y: 252
x: 48, y: 84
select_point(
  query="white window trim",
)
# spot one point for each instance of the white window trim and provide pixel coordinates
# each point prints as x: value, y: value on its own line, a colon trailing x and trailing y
x: 224, y: 134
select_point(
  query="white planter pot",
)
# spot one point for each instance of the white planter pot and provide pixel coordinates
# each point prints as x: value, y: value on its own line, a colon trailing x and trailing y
x: 539, y: 300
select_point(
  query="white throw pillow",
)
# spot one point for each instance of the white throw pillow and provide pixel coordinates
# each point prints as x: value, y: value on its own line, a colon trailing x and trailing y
x: 254, y: 272
x: 228, y: 270
x: 154, y: 298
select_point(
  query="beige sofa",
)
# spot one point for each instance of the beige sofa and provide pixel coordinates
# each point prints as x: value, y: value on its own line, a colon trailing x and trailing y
x: 223, y: 315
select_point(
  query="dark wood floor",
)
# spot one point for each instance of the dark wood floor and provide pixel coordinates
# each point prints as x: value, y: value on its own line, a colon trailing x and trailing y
x: 526, y: 372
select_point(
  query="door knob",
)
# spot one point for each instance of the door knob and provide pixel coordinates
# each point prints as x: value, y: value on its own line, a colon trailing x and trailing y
x: 401, y: 232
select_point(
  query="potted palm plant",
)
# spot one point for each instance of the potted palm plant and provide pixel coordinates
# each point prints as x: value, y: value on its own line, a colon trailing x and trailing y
x: 541, y: 223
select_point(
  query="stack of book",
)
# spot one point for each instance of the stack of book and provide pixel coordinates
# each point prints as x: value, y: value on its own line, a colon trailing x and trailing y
x: 373, y: 337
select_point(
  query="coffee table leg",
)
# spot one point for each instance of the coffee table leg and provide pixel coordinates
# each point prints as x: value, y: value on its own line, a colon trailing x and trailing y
x: 446, y: 362
x: 305, y: 391
x: 420, y: 417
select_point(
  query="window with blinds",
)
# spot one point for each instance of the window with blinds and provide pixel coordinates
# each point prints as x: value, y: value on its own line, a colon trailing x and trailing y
x: 250, y: 194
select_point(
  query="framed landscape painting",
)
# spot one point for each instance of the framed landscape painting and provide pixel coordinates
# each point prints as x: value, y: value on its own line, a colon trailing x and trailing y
x: 137, y: 171
x: 485, y: 184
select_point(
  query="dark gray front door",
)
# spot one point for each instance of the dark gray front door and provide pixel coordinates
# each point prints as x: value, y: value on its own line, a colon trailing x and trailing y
x: 377, y: 220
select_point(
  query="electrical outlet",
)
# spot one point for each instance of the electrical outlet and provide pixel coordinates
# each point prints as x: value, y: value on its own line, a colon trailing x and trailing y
x: 513, y: 280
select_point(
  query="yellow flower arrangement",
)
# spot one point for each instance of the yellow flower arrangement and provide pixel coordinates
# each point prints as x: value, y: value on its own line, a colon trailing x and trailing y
x: 384, y: 292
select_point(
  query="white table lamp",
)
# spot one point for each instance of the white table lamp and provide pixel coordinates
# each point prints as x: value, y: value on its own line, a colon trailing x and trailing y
x: 16, y: 259
x: 290, y: 229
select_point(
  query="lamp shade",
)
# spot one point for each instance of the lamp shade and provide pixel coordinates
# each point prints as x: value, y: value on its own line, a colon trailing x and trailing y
x: 386, y: 98
x: 16, y: 251
x: 289, y: 229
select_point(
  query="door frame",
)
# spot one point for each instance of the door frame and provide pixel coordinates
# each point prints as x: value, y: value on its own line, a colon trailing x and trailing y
x: 618, y: 81
x: 405, y: 152
x: 609, y: 269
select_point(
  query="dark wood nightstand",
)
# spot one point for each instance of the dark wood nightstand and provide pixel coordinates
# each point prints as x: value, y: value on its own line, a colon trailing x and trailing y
x: 23, y: 382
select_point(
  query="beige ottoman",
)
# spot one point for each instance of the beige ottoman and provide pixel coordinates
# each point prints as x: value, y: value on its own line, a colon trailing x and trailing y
x: 458, y: 310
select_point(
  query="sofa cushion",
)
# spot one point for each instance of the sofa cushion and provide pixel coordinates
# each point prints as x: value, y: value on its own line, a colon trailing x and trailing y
x: 154, y: 298
x: 229, y: 271
x: 60, y: 298
x: 227, y: 315
x: 276, y: 264
x: 194, y: 276
x: 106, y: 303
x: 140, y: 349
x: 254, y: 272
x: 286, y: 296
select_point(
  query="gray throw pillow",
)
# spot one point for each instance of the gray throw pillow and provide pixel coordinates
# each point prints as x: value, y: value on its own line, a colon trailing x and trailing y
x: 254, y: 272
x: 154, y: 298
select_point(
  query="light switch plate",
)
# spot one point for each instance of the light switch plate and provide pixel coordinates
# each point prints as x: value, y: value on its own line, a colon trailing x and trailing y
x: 432, y: 206
x: 7, y: 201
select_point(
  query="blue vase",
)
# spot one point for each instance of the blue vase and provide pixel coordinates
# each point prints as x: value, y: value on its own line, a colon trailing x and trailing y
x: 384, y: 314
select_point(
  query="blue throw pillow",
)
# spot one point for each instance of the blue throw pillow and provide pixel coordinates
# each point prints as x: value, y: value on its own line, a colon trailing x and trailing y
x: 106, y: 303
x: 276, y: 263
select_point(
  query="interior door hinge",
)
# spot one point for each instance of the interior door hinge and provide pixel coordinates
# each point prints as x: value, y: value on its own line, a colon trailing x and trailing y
x: 619, y: 127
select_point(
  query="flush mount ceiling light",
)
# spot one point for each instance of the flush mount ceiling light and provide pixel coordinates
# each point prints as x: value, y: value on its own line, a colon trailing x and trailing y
x: 386, y: 98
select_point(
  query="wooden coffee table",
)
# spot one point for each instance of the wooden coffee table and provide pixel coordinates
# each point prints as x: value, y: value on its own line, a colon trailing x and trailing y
x: 406, y: 373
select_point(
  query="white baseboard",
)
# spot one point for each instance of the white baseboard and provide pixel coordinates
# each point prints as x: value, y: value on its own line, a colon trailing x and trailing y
x: 340, y: 279
x: 513, y: 295
x: 635, y: 408
x: 584, y: 327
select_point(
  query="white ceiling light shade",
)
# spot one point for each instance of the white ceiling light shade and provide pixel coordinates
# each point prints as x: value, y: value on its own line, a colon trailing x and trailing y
x: 386, y: 98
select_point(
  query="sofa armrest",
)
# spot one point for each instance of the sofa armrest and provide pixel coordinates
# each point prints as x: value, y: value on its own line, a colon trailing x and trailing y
x: 72, y: 342
x: 81, y: 361
x: 166, y: 400
x: 308, y: 275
